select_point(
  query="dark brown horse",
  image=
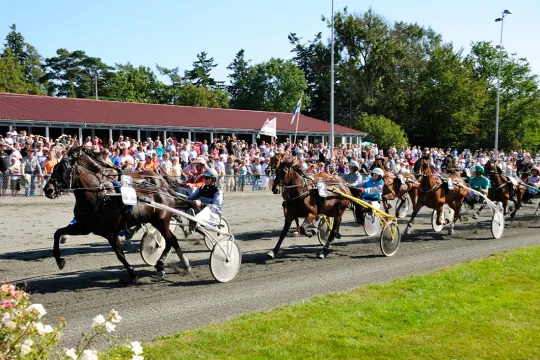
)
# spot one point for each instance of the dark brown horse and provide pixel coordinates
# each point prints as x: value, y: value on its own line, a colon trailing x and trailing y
x: 99, y: 210
x: 502, y: 189
x: 302, y: 200
x: 434, y: 193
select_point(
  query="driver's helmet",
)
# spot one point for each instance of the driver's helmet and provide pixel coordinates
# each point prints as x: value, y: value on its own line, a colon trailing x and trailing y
x: 535, y: 168
x: 478, y: 168
x: 211, y: 173
x: 199, y: 160
x: 353, y: 163
x: 378, y: 171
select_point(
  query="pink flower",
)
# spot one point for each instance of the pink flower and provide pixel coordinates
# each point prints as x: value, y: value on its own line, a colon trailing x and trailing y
x: 6, y: 303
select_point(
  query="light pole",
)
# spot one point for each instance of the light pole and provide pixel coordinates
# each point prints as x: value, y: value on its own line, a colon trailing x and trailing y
x: 500, y: 47
x: 331, y: 142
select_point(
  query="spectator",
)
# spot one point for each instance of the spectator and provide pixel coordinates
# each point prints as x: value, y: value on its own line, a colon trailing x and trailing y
x: 4, y: 169
x: 32, y: 170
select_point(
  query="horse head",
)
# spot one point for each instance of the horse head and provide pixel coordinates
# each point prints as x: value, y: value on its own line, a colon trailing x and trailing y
x: 62, y: 176
x: 422, y: 166
x: 275, y: 161
x: 285, y: 174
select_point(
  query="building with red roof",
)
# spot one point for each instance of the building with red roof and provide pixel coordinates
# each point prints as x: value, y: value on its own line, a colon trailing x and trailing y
x: 51, y: 116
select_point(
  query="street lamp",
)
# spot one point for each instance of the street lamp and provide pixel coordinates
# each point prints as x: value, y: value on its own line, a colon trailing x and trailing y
x: 500, y: 47
x: 331, y: 140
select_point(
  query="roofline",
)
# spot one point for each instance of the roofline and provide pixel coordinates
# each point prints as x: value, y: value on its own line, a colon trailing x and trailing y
x: 86, y: 125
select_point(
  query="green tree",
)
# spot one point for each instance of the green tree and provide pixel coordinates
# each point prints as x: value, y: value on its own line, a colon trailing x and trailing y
x: 191, y: 95
x: 519, y: 116
x: 200, y: 74
x: 137, y: 84
x: 11, y: 74
x: 73, y: 74
x: 382, y: 131
x: 240, y: 78
x: 28, y: 58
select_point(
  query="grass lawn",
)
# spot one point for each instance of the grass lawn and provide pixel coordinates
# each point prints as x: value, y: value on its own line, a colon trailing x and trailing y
x: 484, y: 309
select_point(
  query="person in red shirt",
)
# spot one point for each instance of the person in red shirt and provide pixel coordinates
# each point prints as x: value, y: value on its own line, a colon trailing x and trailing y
x: 195, y: 179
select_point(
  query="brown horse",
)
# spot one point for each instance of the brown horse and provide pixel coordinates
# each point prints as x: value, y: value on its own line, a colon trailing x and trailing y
x: 99, y: 210
x: 434, y: 193
x: 389, y: 189
x: 502, y: 189
x: 407, y: 189
x: 303, y: 200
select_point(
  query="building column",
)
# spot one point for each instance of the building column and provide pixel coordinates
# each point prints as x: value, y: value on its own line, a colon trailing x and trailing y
x: 80, y: 136
x: 307, y: 138
x: 110, y: 134
x: 29, y: 130
x: 47, y: 132
x: 344, y: 140
x: 164, y: 140
x: 189, y: 135
x: 194, y: 134
x: 93, y: 132
x: 138, y: 135
x: 211, y: 137
x: 253, y: 138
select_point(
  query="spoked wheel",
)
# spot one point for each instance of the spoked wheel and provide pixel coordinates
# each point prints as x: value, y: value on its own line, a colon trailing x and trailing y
x: 390, y: 239
x: 223, y: 226
x: 436, y: 228
x: 402, y: 213
x: 497, y: 224
x: 152, y: 245
x: 325, y: 227
x: 371, y: 224
x: 225, y: 260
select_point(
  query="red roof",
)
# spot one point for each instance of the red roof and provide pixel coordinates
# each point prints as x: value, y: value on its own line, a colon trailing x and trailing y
x: 15, y: 107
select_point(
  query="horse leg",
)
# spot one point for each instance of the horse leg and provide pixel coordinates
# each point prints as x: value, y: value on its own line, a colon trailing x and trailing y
x: 288, y: 221
x: 335, y: 230
x: 78, y: 228
x: 114, y: 240
x: 171, y: 241
x: 309, y: 219
x: 297, y: 227
x: 456, y: 206
x: 477, y: 213
x: 416, y: 209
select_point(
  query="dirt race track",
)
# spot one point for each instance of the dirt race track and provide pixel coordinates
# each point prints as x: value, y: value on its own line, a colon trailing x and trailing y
x: 94, y: 282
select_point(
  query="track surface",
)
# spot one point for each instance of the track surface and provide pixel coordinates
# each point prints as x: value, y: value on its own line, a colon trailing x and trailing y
x: 94, y: 282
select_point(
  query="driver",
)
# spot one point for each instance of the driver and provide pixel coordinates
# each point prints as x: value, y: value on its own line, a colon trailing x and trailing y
x: 372, y: 188
x: 208, y: 194
x: 479, y: 183
x: 353, y: 177
x: 534, y: 179
x: 195, y: 179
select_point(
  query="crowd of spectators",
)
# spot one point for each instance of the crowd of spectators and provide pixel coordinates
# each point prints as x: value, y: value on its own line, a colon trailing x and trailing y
x: 27, y: 160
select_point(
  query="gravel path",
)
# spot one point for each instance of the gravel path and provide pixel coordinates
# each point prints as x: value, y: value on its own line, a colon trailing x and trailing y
x: 93, y: 281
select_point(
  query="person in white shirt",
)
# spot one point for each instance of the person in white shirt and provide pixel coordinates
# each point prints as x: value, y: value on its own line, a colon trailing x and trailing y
x: 204, y: 148
x: 166, y: 164
x: 184, y: 154
x: 192, y: 154
x: 126, y: 160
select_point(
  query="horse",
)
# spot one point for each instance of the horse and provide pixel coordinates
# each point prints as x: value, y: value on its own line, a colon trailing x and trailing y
x: 502, y: 189
x: 406, y: 186
x: 303, y: 200
x: 389, y: 189
x: 523, y: 167
x: 98, y: 211
x: 434, y: 193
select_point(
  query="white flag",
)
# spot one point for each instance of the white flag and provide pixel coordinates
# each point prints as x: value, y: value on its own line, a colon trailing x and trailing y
x: 269, y: 128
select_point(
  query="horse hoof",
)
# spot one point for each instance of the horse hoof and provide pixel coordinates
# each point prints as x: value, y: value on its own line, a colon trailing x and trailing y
x: 321, y: 255
x: 271, y: 254
x: 61, y: 264
x: 135, y: 280
x: 296, y: 233
x: 450, y: 231
x: 475, y: 216
x: 63, y: 239
x: 161, y: 274
x: 187, y: 270
x: 338, y: 236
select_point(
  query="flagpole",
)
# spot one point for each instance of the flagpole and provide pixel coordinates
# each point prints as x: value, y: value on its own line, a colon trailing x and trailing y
x: 331, y: 140
x: 298, y: 119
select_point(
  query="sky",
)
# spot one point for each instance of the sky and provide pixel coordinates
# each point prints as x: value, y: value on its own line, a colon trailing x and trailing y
x: 172, y: 32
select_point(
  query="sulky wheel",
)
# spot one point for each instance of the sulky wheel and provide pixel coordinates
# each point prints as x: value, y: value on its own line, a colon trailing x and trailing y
x: 390, y: 239
x: 497, y: 224
x: 152, y: 245
x: 225, y: 260
x: 372, y: 224
x: 436, y: 228
x: 223, y: 226
x: 324, y: 228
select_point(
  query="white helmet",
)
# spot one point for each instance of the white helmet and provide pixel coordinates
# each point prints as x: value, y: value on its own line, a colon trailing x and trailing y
x: 211, y: 173
x: 378, y: 171
x: 354, y: 163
